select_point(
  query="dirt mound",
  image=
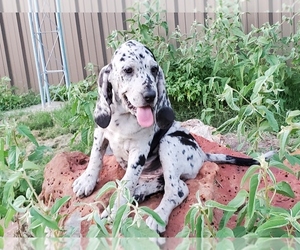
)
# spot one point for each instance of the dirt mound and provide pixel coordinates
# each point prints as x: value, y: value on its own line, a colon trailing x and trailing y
x: 218, y: 182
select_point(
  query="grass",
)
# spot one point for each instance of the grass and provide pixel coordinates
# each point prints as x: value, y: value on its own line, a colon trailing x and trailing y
x: 46, y: 125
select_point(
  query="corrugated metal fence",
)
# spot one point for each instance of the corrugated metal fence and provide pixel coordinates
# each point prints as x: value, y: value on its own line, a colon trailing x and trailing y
x: 86, y: 25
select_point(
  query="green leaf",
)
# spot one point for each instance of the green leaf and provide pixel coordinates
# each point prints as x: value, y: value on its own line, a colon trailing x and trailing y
x: 254, y: 181
x: 9, y: 217
x: 93, y: 232
x: 239, y: 199
x: 293, y: 159
x: 296, y: 225
x: 13, y: 157
x: 191, y: 218
x: 106, y: 187
x: 122, y: 211
x: 225, y: 233
x: 274, y: 222
x: 258, y: 86
x: 239, y: 231
x: 275, y: 162
x: 200, y: 226
x: 215, y: 204
x: 38, y: 153
x: 18, y: 204
x: 8, y: 190
x: 283, y: 139
x: 185, y: 232
x: 1, y: 231
x: 141, y: 231
x: 25, y: 131
x: 136, y: 244
x: 28, y: 165
x: 238, y: 32
x: 154, y: 215
x: 43, y: 219
x: 2, y: 154
x: 291, y: 115
x: 100, y: 223
x: 58, y: 204
x: 285, y: 189
x: 295, y: 211
x: 279, y: 211
x: 225, y: 244
x: 228, y: 95
x: 3, y: 211
x: 236, y: 202
x: 270, y: 117
x: 249, y: 173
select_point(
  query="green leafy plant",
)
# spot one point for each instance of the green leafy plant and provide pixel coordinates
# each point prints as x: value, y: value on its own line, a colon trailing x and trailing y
x: 218, y: 68
x: 9, y: 100
x: 255, y: 214
x: 21, y: 180
x: 81, y: 98
x: 122, y: 223
x: 127, y: 221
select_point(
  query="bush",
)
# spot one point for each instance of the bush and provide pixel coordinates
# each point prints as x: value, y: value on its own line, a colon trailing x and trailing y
x: 249, y: 78
x: 9, y: 100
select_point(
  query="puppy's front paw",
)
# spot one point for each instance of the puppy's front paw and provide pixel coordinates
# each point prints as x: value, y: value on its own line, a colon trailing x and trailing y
x: 84, y: 184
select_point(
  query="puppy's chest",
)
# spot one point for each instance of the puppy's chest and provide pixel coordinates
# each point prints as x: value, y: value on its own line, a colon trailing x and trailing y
x: 125, y: 145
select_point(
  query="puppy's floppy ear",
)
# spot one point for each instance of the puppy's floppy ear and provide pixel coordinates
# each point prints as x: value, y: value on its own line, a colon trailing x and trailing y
x: 164, y: 113
x: 102, y: 113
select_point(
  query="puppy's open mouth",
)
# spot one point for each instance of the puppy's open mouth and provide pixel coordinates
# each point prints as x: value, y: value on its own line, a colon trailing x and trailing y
x: 143, y: 114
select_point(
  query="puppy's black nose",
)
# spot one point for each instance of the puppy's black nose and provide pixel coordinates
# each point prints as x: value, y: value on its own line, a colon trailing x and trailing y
x: 149, y: 96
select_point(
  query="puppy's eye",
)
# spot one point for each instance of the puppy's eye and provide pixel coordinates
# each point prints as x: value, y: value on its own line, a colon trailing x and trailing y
x: 154, y: 70
x: 128, y: 70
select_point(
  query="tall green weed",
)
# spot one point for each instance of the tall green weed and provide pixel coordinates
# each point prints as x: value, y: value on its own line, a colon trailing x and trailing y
x: 217, y: 68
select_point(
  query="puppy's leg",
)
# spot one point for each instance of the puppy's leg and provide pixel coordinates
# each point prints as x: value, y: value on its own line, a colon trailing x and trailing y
x: 134, y: 169
x: 148, y: 185
x: 180, y: 157
x: 85, y: 184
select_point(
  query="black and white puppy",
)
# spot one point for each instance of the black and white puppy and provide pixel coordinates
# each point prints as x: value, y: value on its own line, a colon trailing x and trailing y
x: 135, y: 119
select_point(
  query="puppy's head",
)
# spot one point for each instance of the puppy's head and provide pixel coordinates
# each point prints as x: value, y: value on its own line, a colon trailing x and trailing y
x: 137, y: 81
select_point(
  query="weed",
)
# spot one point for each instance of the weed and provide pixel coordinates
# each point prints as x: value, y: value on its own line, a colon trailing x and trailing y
x: 9, y: 100
x: 254, y: 211
x: 39, y: 121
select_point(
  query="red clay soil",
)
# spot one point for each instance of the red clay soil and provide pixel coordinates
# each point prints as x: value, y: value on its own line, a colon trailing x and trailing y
x: 217, y: 182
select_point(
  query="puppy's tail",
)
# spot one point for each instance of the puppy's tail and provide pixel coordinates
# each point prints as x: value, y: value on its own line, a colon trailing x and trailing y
x: 240, y: 161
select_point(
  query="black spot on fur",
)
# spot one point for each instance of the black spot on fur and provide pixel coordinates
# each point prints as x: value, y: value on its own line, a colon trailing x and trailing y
x: 185, y: 139
x: 161, y: 180
x: 155, y: 141
x: 190, y: 157
x: 141, y: 161
x: 180, y: 193
x: 149, y: 52
x: 103, y: 120
x: 131, y: 43
x: 241, y: 161
x: 141, y: 56
x: 165, y: 117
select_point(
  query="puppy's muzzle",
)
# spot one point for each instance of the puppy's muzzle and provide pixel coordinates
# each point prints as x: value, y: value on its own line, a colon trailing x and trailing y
x: 149, y: 96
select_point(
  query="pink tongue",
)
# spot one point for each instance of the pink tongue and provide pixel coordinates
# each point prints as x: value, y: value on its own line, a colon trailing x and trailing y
x: 144, y: 116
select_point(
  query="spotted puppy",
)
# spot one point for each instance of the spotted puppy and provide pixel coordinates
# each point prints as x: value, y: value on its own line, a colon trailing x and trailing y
x: 135, y: 119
